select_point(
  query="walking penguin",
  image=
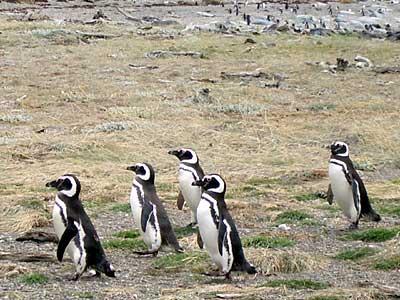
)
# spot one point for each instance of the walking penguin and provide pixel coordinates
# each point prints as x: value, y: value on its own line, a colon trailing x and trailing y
x: 217, y: 228
x: 149, y: 213
x: 347, y: 188
x: 189, y: 171
x: 75, y: 231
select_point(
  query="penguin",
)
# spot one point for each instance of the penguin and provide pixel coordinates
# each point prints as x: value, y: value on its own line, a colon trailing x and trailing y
x: 149, y: 213
x: 217, y: 228
x: 189, y: 171
x: 75, y: 231
x: 347, y: 188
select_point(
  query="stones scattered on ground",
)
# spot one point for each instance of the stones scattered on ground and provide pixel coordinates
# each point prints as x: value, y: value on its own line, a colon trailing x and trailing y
x: 141, y: 67
x: 360, y: 62
x: 164, y: 54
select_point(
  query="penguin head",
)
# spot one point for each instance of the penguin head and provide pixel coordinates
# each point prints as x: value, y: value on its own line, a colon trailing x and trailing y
x: 144, y: 171
x: 340, y: 149
x: 185, y: 155
x: 68, y: 184
x: 212, y: 183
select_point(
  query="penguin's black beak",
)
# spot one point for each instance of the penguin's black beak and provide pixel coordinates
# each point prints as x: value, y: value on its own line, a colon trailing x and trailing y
x: 198, y: 183
x: 174, y: 152
x: 132, y: 168
x: 53, y: 184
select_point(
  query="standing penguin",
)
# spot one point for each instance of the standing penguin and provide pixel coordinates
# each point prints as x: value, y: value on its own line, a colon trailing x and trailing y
x: 75, y: 230
x: 149, y: 213
x: 347, y: 188
x: 189, y: 171
x: 217, y: 228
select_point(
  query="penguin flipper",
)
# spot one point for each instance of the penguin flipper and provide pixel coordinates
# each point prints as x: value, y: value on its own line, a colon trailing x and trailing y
x: 221, y: 237
x: 329, y: 195
x: 181, y: 201
x: 70, y: 232
x: 356, y: 194
x: 147, y: 213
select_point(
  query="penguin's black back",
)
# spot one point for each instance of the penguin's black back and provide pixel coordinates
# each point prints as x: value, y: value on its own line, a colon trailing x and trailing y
x: 94, y: 251
x: 167, y: 233
x: 239, y: 261
x: 366, y: 208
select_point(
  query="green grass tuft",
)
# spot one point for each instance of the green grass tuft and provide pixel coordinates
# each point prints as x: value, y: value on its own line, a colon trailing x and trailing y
x: 125, y: 244
x: 297, y: 284
x: 391, y: 210
x: 356, y: 254
x: 127, y: 234
x: 122, y: 207
x: 373, y: 235
x: 292, y: 216
x: 178, y: 261
x: 34, y: 278
x: 261, y: 241
x: 306, y: 197
x: 263, y: 181
x: 387, y: 264
x: 321, y: 106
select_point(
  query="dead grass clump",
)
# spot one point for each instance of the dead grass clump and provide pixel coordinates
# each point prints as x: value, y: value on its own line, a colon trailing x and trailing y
x: 111, y: 127
x: 239, y: 108
x: 18, y: 118
x: 269, y: 262
x: 12, y: 270
x: 23, y: 221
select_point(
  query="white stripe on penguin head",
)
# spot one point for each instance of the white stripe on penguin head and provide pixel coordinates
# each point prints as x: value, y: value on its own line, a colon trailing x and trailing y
x: 146, y: 175
x: 194, y: 158
x: 72, y: 191
x: 221, y: 184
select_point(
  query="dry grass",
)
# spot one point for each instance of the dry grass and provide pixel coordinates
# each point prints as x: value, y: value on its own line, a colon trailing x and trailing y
x: 80, y: 108
x: 274, y: 261
x: 12, y: 270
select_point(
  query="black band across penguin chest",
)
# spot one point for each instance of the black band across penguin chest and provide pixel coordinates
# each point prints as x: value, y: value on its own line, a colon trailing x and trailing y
x: 190, y: 169
x: 213, y: 209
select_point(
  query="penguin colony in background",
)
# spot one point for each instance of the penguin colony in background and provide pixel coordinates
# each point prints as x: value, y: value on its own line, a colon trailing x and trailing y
x: 205, y: 196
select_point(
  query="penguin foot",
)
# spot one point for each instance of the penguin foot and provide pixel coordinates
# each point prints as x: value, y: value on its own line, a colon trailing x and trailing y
x: 228, y: 276
x: 191, y: 225
x: 353, y: 226
x: 74, y: 277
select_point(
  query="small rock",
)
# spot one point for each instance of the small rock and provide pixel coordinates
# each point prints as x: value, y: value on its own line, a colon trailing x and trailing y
x: 250, y: 41
x: 283, y: 227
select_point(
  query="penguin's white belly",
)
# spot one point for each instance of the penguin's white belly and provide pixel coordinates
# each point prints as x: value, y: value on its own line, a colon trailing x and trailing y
x: 209, y: 232
x: 191, y: 194
x: 152, y: 236
x: 136, y: 208
x: 77, y: 255
x: 342, y: 192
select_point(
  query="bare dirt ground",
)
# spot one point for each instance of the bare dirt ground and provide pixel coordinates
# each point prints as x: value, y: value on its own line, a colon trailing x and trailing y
x: 90, y: 97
